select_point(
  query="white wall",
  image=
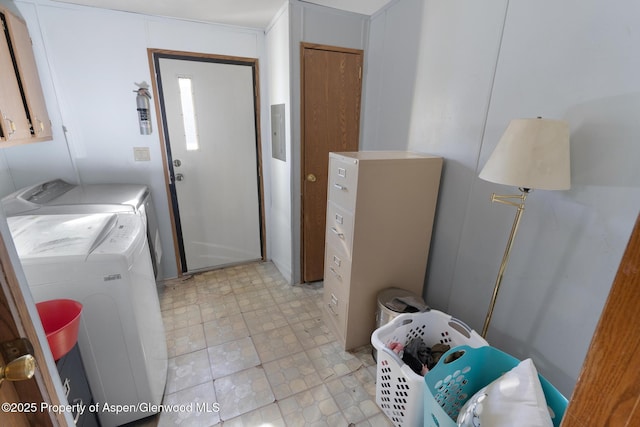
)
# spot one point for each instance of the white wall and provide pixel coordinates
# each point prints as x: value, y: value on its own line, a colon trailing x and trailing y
x: 278, y: 72
x: 567, y: 60
x: 89, y: 60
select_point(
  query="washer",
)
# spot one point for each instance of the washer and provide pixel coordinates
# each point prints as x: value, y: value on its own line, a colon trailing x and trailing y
x: 60, y: 197
x: 102, y: 260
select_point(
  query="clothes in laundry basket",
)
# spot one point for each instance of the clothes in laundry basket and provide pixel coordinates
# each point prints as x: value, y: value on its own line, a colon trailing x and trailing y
x: 420, y: 357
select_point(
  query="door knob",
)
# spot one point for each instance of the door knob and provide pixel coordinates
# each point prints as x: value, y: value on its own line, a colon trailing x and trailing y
x: 19, y: 369
x: 179, y: 177
x: 311, y: 178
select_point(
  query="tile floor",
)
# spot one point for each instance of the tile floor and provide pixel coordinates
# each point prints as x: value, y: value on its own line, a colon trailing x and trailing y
x: 242, y: 340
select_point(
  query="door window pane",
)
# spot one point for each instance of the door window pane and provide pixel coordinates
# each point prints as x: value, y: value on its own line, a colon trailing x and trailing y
x: 188, y: 113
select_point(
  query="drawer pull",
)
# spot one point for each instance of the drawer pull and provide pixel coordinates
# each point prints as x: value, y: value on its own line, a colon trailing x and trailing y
x: 333, y: 303
x: 340, y: 187
x: 78, y: 403
x: 12, y: 127
x: 332, y: 310
x: 335, y: 273
x: 66, y: 385
x: 337, y: 233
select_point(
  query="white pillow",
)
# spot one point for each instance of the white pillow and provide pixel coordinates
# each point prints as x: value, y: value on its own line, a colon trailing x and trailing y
x: 514, y: 399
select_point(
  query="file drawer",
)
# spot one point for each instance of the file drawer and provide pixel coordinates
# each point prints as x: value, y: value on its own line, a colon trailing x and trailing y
x: 336, y: 303
x: 337, y: 266
x: 342, y: 182
x: 339, y: 227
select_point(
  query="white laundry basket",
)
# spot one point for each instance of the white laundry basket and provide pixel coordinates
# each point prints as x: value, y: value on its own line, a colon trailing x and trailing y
x: 399, y: 390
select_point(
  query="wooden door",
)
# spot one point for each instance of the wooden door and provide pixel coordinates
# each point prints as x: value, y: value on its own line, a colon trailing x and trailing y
x: 14, y: 123
x: 331, y: 80
x: 15, y: 322
x: 607, y: 393
x: 26, y: 63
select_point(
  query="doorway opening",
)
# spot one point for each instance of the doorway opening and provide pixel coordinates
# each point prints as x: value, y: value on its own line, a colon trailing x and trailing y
x: 208, y: 107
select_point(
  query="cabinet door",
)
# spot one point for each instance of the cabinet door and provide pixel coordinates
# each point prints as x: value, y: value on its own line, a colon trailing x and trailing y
x: 29, y: 77
x: 14, y: 124
x: 74, y: 381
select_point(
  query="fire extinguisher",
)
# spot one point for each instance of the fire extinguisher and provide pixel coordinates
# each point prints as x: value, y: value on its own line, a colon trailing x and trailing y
x: 142, y: 103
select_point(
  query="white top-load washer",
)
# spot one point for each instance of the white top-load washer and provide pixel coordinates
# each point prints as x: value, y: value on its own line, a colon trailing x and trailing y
x: 102, y: 261
x: 60, y: 197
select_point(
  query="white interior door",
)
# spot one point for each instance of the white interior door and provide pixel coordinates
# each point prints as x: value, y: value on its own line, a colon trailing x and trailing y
x: 210, y: 119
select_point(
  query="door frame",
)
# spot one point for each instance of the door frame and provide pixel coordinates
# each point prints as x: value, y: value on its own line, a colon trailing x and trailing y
x: 153, y: 56
x: 607, y: 392
x: 303, y: 46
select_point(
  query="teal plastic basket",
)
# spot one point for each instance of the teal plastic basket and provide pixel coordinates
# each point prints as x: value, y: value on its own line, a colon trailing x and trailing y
x: 448, y: 386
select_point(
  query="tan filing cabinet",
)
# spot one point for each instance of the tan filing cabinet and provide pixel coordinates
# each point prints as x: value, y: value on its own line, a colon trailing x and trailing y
x: 380, y: 210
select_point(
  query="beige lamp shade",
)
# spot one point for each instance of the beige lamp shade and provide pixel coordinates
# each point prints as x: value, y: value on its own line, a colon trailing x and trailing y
x: 533, y: 154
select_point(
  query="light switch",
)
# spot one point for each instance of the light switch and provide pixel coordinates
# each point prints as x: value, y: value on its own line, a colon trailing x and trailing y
x: 141, y: 154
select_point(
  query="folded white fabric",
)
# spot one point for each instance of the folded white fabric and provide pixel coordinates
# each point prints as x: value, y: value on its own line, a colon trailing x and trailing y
x: 514, y: 399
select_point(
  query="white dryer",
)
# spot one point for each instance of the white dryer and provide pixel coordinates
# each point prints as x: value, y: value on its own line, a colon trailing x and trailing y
x: 102, y: 261
x: 60, y: 197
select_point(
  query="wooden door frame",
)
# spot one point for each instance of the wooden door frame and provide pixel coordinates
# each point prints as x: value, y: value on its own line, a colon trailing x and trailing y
x: 303, y: 46
x: 607, y: 392
x: 17, y: 322
x: 155, y: 54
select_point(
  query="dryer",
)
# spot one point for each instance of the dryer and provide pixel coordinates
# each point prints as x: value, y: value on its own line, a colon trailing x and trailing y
x: 102, y: 260
x: 60, y: 197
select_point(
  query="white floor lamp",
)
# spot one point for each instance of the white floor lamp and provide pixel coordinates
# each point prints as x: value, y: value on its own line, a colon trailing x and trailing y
x: 532, y: 154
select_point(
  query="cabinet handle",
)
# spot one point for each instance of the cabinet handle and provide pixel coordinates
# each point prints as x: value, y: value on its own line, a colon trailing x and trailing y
x: 12, y: 127
x: 340, y: 187
x: 335, y: 273
x: 333, y: 303
x: 66, y: 386
x: 337, y: 233
x: 40, y: 125
x: 78, y: 403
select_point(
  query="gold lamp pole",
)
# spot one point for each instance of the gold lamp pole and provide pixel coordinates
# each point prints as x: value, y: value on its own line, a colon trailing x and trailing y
x: 505, y: 258
x: 532, y: 153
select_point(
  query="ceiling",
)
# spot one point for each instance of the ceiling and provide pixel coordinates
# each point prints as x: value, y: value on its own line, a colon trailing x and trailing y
x: 244, y: 13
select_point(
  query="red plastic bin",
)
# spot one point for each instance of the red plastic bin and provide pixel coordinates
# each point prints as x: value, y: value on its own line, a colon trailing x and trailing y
x: 61, y: 320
